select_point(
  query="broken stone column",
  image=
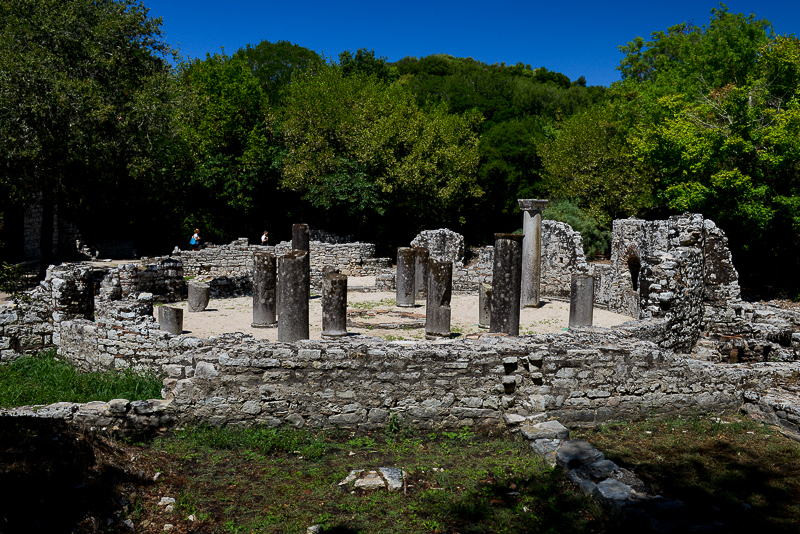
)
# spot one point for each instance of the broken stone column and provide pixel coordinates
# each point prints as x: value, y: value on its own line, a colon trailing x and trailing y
x: 531, y: 251
x: 170, y: 320
x: 199, y: 295
x: 300, y: 237
x: 581, y: 300
x: 440, y: 289
x: 484, y: 305
x: 334, y: 306
x: 421, y: 259
x: 264, y: 290
x: 405, y: 278
x: 293, y: 296
x: 506, y: 284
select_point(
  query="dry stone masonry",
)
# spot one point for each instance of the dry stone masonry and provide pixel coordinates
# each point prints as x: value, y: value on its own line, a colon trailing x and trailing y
x: 675, y: 277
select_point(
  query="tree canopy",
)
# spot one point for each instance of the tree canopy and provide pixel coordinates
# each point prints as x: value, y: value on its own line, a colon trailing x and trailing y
x: 705, y: 118
x: 85, y: 88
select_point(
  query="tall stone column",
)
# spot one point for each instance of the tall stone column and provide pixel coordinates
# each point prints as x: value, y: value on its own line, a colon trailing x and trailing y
x: 531, y: 250
x: 581, y: 300
x: 440, y: 290
x: 293, y: 297
x: 301, y: 241
x: 506, y: 281
x: 421, y: 259
x: 264, y: 290
x: 334, y: 306
x: 405, y: 277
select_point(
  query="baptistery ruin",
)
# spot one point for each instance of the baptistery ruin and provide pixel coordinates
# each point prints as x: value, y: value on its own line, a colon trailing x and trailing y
x: 692, y: 345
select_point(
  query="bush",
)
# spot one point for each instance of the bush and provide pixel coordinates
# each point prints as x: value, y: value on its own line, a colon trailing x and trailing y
x: 596, y: 239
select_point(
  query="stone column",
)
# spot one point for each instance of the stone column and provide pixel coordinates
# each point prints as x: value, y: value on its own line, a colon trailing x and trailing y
x: 170, y: 320
x: 421, y: 259
x: 300, y: 241
x: 581, y: 300
x: 264, y: 290
x: 440, y: 289
x: 484, y: 305
x: 199, y: 295
x: 405, y: 277
x: 506, y: 283
x: 334, y: 306
x: 293, y: 296
x: 531, y: 250
x: 300, y: 237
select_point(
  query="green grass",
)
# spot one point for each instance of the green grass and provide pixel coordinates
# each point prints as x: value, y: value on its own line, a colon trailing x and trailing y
x: 268, y: 481
x: 44, y: 379
x: 741, y: 472
x: 385, y: 303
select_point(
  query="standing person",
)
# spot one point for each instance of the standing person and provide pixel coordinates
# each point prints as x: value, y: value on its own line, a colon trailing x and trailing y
x: 265, y: 238
x: 195, y: 241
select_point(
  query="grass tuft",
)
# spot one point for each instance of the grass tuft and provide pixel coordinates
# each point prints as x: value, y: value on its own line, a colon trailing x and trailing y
x: 44, y: 379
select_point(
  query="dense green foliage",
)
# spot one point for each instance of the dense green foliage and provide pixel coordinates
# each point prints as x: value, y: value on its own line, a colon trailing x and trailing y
x: 84, y: 113
x: 596, y: 240
x: 44, y: 379
x: 705, y: 118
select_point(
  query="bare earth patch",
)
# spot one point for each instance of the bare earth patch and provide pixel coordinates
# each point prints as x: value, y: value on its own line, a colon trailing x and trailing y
x: 236, y: 314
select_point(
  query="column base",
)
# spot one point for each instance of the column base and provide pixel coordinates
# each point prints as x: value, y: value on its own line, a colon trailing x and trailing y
x: 333, y: 335
x: 264, y: 325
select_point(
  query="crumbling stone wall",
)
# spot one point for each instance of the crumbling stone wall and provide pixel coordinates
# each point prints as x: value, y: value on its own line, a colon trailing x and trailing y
x: 562, y: 255
x: 32, y: 226
x: 30, y: 325
x: 442, y: 244
x: 219, y: 260
x: 162, y: 276
x: 124, y: 335
x: 577, y: 378
x: 236, y: 258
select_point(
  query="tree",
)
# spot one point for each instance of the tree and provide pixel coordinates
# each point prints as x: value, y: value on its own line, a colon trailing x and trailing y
x: 590, y: 161
x: 722, y: 52
x: 364, y: 62
x: 733, y: 153
x: 232, y: 170
x: 357, y: 141
x: 81, y: 85
x: 274, y: 64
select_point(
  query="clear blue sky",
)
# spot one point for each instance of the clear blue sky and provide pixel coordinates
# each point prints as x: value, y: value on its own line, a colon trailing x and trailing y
x: 573, y: 37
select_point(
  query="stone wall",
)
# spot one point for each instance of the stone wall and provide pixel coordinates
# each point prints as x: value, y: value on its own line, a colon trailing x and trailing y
x: 161, y: 276
x: 579, y: 377
x: 576, y: 378
x: 32, y: 226
x: 236, y: 258
x: 30, y: 324
x: 442, y: 245
x: 124, y: 335
x: 562, y: 255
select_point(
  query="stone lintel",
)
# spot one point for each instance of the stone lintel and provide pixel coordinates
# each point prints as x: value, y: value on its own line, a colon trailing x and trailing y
x: 532, y: 204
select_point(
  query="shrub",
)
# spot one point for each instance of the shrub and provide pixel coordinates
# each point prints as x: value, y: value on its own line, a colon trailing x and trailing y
x: 596, y: 239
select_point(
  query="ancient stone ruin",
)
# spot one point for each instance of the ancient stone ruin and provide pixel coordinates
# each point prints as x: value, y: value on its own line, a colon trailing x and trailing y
x: 692, y: 346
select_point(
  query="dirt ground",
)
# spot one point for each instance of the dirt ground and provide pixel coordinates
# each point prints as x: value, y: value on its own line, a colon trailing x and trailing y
x: 376, y: 315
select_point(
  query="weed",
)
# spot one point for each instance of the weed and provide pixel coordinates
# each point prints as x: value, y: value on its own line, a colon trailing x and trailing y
x: 44, y: 379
